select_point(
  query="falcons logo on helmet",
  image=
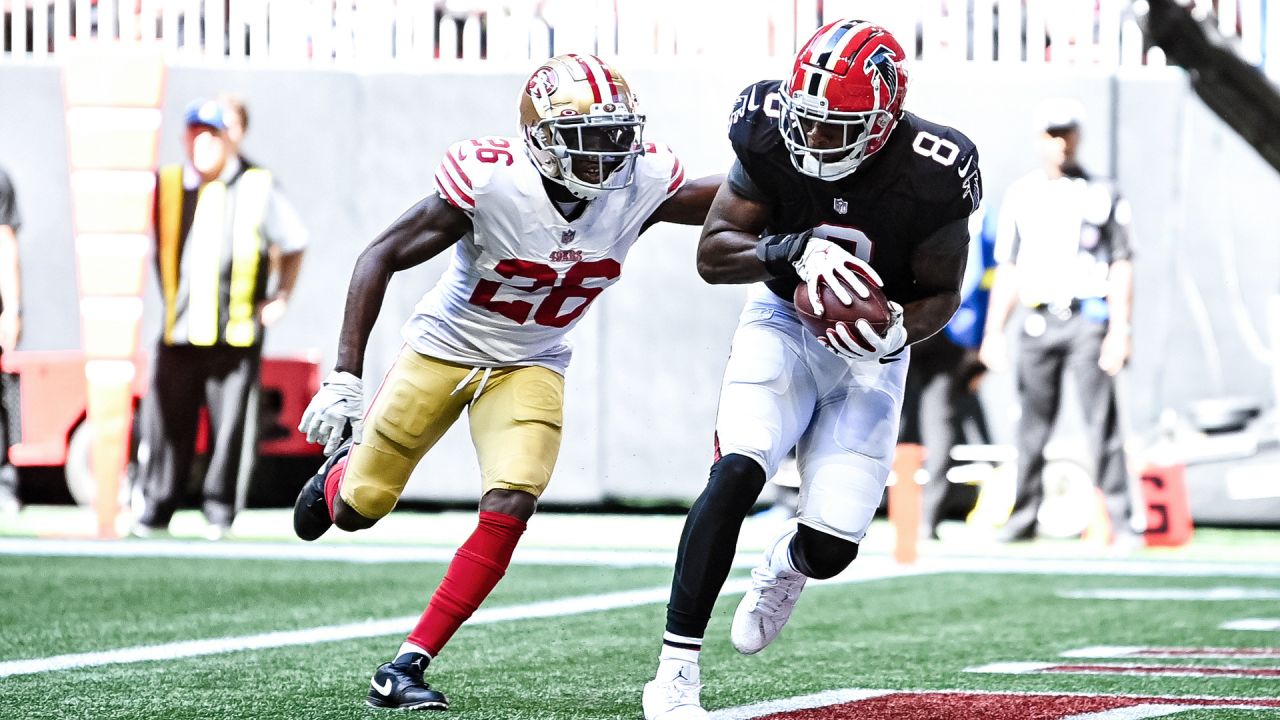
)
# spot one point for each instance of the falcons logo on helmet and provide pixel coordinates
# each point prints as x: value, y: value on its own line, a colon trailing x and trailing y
x: 883, y: 72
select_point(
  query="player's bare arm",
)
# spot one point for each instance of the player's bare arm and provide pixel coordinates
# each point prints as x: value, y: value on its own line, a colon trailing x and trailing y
x: 938, y: 265
x: 421, y: 233
x: 690, y: 204
x: 727, y: 250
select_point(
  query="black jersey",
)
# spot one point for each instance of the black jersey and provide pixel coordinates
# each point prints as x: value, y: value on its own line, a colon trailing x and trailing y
x: 924, y: 177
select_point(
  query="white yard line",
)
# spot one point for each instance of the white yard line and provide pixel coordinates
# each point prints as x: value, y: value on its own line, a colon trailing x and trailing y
x: 1012, y: 668
x: 1253, y: 624
x: 392, y: 626
x: 354, y: 553
x: 865, y: 570
x: 1217, y: 594
x: 1139, y: 652
x: 1103, y: 651
x: 1128, y: 567
x: 1125, y: 669
x: 362, y: 553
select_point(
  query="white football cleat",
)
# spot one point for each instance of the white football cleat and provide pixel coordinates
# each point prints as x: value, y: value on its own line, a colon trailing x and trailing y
x: 675, y: 698
x: 767, y: 605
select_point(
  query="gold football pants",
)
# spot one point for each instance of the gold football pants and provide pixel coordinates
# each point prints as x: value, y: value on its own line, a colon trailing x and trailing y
x: 515, y: 413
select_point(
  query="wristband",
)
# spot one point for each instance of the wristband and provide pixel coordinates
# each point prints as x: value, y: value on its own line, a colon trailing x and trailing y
x: 778, y: 253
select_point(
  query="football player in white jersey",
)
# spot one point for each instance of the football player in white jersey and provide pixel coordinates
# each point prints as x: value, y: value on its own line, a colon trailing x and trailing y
x: 832, y: 175
x: 539, y: 226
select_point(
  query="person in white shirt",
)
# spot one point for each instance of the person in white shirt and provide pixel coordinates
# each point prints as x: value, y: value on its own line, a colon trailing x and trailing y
x: 1064, y: 252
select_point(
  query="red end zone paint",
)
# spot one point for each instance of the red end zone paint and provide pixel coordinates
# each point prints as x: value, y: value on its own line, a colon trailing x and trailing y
x: 967, y: 706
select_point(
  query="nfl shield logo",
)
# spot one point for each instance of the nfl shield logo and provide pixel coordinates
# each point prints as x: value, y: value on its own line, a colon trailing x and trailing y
x: 842, y: 207
x: 567, y: 236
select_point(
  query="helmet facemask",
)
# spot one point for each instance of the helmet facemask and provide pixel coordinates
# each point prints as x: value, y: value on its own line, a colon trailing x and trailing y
x: 589, y: 154
x: 858, y: 131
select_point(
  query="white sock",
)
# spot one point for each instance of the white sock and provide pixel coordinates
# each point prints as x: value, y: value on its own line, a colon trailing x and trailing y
x: 408, y: 647
x: 674, y: 659
x: 780, y: 558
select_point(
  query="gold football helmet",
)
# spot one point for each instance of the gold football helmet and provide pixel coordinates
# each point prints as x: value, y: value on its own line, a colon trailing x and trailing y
x: 582, y: 126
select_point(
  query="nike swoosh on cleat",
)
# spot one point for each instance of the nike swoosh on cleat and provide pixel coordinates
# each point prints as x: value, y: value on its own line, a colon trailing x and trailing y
x: 384, y: 689
x: 964, y: 169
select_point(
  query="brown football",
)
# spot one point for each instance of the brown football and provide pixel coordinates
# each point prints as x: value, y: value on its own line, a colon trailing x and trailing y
x: 874, y: 309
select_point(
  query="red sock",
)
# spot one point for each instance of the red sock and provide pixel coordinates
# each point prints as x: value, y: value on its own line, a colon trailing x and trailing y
x: 477, y: 567
x: 333, y: 482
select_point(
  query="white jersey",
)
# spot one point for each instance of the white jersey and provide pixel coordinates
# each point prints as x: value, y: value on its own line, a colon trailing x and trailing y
x: 524, y: 275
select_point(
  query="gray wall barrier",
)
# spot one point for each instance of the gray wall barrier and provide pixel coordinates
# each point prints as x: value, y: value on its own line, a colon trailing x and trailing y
x: 353, y: 150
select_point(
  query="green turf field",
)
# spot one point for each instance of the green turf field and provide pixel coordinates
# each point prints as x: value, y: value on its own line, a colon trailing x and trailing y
x: 918, y: 632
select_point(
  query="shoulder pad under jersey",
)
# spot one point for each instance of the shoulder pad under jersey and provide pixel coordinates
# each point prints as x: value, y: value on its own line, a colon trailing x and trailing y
x: 943, y: 164
x: 468, y: 166
x: 660, y: 164
x: 753, y: 124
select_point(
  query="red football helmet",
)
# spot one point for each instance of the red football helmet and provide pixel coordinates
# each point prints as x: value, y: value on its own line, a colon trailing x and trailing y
x: 843, y: 99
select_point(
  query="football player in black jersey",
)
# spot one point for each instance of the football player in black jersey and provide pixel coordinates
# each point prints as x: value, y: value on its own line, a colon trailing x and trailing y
x: 831, y: 173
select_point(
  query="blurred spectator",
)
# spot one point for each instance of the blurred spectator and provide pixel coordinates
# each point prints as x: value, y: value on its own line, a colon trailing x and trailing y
x: 1064, y: 251
x: 10, y: 329
x: 236, y: 116
x: 217, y: 218
x: 940, y: 405
x: 284, y: 266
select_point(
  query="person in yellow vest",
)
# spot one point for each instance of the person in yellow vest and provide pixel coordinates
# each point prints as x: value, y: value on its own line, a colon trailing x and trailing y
x: 217, y: 219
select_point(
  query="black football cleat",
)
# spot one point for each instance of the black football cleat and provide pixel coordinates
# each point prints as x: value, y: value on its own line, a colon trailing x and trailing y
x: 401, y: 687
x: 310, y: 513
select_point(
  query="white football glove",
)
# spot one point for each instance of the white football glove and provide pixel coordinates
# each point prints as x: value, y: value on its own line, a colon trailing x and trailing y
x: 335, y: 412
x: 826, y: 262
x: 885, y: 347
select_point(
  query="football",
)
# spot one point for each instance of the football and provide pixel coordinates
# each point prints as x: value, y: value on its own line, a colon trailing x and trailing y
x: 874, y: 309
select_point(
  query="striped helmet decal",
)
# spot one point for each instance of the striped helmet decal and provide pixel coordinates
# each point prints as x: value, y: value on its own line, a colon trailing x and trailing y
x: 599, y: 76
x: 609, y: 76
x: 825, y: 52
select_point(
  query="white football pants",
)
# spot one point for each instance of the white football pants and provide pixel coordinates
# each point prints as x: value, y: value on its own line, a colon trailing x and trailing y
x: 783, y: 389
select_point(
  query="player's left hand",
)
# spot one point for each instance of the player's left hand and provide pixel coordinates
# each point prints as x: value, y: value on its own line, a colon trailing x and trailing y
x: 1116, y: 347
x: 337, y: 407
x: 885, y: 348
x: 827, y: 263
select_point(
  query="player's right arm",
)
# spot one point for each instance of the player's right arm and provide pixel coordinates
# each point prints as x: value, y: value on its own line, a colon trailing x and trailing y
x: 732, y: 250
x: 727, y: 249
x: 423, y: 232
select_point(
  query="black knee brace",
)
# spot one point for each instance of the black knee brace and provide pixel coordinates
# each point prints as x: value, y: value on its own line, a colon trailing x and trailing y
x: 819, y: 555
x: 733, y: 487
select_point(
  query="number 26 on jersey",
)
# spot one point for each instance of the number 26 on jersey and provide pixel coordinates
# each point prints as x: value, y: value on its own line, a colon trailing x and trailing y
x: 534, y: 282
